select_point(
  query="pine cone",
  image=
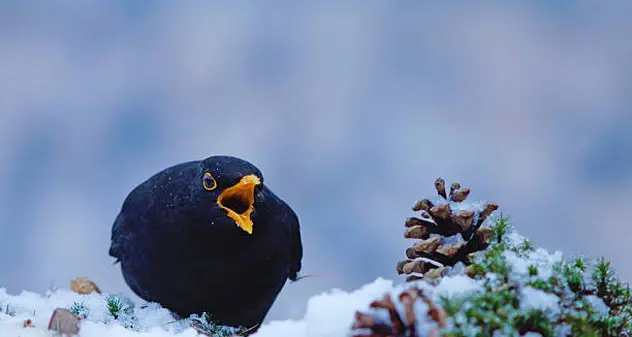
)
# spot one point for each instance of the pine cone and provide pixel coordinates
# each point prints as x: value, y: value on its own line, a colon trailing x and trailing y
x: 402, y: 317
x: 432, y: 256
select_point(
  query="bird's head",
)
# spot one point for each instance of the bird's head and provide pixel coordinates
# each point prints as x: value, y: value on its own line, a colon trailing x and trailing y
x: 232, y: 187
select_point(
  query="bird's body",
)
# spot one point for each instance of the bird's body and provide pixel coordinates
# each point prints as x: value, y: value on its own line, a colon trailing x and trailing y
x: 178, y: 246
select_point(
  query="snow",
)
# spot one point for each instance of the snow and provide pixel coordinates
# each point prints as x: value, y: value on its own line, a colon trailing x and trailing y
x: 336, y: 308
x: 457, y: 285
x: 151, y: 319
x: 424, y: 324
x: 532, y: 334
x: 465, y: 206
x: 539, y: 258
x: 329, y: 314
x: 598, y: 304
x: 536, y: 299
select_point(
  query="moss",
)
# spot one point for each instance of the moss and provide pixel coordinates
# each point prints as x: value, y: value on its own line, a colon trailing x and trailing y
x: 207, y: 326
x: 79, y: 309
x: 497, y: 309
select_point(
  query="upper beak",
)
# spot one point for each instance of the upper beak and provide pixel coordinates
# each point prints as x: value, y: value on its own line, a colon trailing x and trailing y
x: 237, y: 200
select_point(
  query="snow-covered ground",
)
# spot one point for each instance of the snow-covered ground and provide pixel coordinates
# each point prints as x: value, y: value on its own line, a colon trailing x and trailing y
x: 328, y: 315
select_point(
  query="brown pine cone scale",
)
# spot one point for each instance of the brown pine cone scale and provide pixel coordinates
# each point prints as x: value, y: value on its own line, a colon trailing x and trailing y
x: 441, y: 220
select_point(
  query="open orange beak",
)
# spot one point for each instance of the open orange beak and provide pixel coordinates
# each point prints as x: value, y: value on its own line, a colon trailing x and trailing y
x: 237, y: 200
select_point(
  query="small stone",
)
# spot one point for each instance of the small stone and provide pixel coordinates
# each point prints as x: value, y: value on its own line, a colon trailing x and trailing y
x: 64, y: 322
x: 84, y: 286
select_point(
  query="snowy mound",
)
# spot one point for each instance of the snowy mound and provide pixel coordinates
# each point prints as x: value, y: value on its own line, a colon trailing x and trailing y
x: 95, y: 309
x: 511, y: 288
x: 559, y: 298
x: 152, y: 320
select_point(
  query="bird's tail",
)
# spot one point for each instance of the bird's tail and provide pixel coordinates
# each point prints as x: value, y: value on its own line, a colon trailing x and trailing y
x: 300, y: 277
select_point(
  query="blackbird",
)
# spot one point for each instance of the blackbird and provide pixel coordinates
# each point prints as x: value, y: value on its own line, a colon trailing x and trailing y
x: 208, y: 236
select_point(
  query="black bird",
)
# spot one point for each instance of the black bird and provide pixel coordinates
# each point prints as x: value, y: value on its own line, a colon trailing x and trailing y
x: 208, y: 236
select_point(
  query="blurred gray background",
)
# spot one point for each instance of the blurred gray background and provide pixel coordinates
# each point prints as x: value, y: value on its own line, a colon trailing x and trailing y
x: 351, y: 112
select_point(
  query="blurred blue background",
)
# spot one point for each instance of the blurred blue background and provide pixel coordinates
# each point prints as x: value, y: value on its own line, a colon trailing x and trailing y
x: 350, y: 111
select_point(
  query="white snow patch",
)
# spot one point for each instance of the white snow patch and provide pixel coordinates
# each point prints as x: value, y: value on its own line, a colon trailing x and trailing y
x: 423, y: 324
x: 598, y: 304
x: 513, y: 238
x: 330, y: 314
x: 532, y: 334
x: 536, y: 299
x: 455, y: 286
x: 466, y: 206
x: 151, y: 320
x: 540, y: 258
x: 92, y: 329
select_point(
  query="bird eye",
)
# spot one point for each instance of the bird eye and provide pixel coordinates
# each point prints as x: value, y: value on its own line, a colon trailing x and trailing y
x: 209, y: 182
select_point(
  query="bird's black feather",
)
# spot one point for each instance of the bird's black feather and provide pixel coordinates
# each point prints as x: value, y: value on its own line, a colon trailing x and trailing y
x: 178, y: 248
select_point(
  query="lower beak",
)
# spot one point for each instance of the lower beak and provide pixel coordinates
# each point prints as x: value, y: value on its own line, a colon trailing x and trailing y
x: 237, y: 201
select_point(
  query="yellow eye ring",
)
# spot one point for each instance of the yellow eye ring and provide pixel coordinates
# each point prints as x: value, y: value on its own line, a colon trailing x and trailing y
x: 209, y: 182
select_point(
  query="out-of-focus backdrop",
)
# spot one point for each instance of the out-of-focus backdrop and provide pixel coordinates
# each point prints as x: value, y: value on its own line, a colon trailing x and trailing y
x: 351, y: 112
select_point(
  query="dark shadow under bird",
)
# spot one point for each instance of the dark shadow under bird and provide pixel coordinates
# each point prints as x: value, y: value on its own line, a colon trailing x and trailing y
x: 208, y: 236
